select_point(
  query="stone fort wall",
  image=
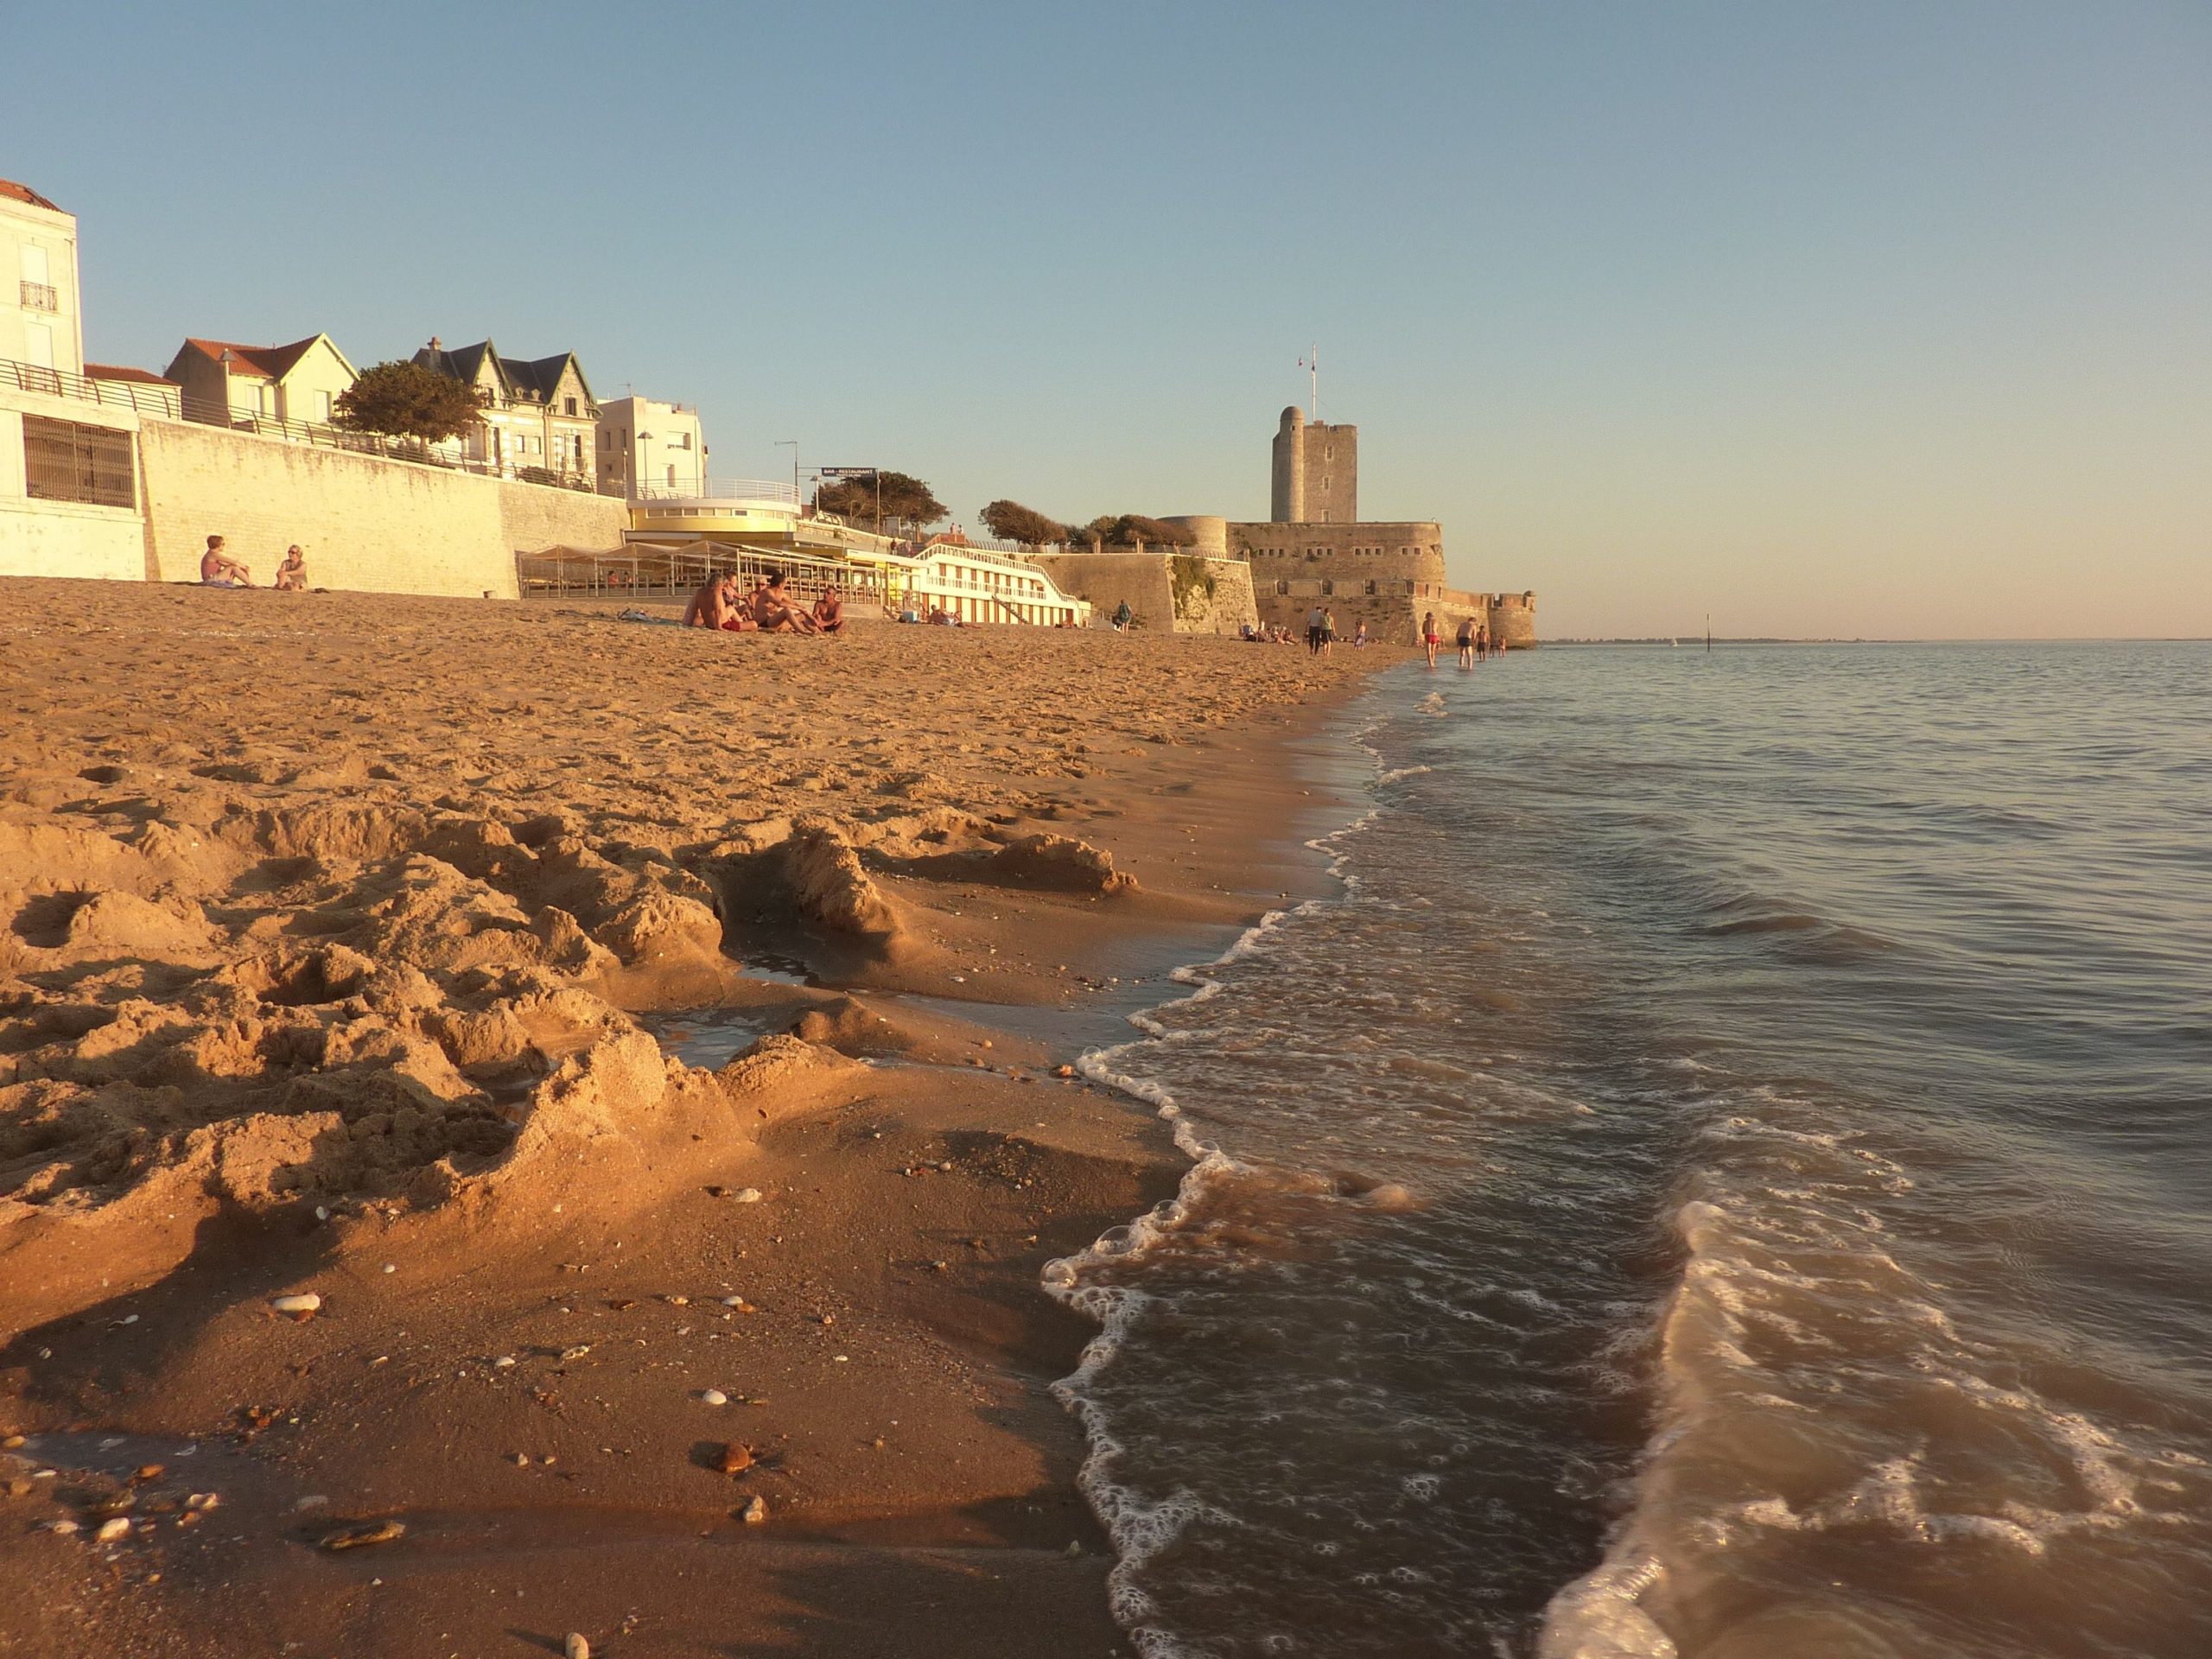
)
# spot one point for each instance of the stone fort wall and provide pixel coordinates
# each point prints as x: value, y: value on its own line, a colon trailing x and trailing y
x: 1182, y: 593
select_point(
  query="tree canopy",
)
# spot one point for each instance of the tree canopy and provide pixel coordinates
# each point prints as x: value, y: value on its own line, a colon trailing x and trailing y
x: 1133, y: 529
x: 405, y: 400
x: 1011, y: 521
x: 907, y: 501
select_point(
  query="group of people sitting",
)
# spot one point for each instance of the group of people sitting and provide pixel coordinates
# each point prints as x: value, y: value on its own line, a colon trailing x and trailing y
x: 1319, y: 635
x: 766, y: 609
x: 218, y: 570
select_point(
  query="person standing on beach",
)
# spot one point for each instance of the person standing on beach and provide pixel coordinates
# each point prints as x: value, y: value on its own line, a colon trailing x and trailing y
x: 1123, y: 617
x: 1328, y: 630
x: 1313, y: 632
x: 1429, y: 637
x: 1467, y: 642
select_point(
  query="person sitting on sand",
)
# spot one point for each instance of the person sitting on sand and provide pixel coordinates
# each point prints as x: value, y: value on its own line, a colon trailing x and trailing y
x: 830, y: 612
x: 774, y: 612
x: 292, y: 574
x: 218, y: 570
x: 714, y: 606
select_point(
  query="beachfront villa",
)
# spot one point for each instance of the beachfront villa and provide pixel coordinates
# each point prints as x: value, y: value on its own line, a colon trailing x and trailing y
x: 540, y: 421
x: 261, y: 388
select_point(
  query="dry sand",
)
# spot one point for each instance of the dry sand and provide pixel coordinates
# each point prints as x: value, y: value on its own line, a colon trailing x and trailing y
x: 327, y: 925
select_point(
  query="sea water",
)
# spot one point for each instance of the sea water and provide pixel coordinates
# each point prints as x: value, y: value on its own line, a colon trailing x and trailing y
x: 1730, y: 1174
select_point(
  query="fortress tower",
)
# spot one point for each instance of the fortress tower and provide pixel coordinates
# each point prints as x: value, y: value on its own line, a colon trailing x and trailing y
x: 1316, y: 472
x: 1315, y: 547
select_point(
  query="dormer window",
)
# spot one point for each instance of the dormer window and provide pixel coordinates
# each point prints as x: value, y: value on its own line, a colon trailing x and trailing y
x: 568, y: 405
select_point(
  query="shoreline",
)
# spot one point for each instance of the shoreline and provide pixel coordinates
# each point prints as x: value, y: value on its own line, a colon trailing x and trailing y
x: 963, y: 927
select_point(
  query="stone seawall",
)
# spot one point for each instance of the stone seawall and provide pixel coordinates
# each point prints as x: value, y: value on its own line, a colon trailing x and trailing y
x: 365, y: 523
x: 1180, y: 593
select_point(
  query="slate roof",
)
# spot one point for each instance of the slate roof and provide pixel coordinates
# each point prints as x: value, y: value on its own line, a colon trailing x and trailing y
x: 521, y: 379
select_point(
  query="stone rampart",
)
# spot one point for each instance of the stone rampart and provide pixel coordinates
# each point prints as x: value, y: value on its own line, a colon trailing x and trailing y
x: 365, y: 523
x: 1182, y: 592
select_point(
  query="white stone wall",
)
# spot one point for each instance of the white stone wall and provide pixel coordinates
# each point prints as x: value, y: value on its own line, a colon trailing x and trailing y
x: 62, y: 538
x: 364, y: 523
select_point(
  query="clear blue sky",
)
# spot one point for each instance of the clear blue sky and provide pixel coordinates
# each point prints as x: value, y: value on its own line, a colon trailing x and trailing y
x: 1843, y: 319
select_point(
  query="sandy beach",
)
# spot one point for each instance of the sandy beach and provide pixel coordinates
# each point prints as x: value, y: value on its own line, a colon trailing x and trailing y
x: 338, y: 932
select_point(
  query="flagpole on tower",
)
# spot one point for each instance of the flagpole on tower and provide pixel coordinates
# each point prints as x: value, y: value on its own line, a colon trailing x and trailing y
x: 1314, y: 390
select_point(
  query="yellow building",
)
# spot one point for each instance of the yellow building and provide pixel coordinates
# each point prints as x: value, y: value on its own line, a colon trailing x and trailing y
x: 262, y: 387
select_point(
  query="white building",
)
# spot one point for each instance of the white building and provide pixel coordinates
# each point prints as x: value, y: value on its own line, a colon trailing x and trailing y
x: 68, y: 463
x: 648, y: 448
x: 40, y: 325
x: 972, y: 585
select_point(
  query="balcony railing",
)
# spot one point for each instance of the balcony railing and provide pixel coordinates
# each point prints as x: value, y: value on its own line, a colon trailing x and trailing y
x: 166, y: 401
x: 722, y: 489
x: 42, y: 296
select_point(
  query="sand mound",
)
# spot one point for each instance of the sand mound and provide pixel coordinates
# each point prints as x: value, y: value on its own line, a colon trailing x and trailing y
x: 1061, y: 862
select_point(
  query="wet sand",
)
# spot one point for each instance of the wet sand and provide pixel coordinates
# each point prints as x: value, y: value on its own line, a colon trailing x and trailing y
x: 328, y: 926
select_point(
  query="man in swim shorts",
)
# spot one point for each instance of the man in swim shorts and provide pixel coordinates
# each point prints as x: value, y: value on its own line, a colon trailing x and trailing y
x: 774, y: 613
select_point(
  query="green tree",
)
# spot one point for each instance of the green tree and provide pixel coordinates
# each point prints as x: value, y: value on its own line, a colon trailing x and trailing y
x: 1011, y: 521
x: 1133, y: 529
x: 405, y: 400
x: 906, y: 501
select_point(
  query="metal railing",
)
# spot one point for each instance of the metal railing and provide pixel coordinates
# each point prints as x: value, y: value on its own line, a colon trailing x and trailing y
x: 41, y: 296
x: 642, y: 570
x: 722, y: 489
x: 167, y: 402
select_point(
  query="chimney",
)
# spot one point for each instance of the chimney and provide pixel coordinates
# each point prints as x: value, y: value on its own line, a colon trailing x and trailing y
x: 434, y: 344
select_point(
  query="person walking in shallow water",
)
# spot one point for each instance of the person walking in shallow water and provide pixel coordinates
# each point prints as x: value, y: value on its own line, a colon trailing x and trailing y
x: 1429, y: 637
x: 1467, y: 642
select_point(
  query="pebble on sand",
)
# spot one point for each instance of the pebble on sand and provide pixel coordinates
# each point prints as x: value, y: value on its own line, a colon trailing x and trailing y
x: 111, y: 1531
x: 302, y: 1307
x: 755, y: 1512
x: 576, y: 1647
x: 747, y: 1195
x: 713, y: 1397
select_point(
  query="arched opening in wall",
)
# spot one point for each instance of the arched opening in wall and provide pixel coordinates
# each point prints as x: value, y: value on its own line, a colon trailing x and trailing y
x: 1370, y: 590
x: 1282, y: 588
x: 1329, y: 588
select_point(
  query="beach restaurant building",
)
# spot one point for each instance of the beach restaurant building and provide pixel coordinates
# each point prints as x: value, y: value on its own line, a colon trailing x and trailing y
x: 972, y: 585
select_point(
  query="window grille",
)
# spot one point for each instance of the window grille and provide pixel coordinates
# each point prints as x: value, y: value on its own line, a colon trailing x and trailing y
x: 64, y: 460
